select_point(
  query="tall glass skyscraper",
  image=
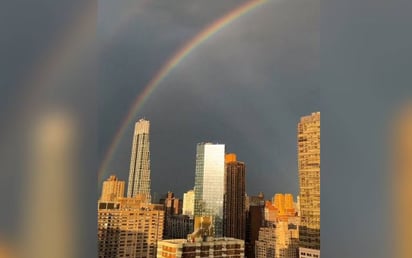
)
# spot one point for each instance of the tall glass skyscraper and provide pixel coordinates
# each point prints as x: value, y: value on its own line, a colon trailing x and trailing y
x: 139, y: 173
x: 209, y: 183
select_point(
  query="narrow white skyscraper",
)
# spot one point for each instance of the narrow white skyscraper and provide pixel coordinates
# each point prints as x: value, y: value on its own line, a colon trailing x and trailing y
x: 139, y: 173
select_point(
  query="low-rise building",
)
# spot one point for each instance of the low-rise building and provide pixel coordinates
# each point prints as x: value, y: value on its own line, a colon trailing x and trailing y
x: 210, y: 247
x: 280, y: 240
x: 178, y: 226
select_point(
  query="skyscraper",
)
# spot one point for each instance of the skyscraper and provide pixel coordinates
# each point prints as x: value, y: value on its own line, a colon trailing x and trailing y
x: 112, y: 189
x: 309, y: 179
x: 139, y: 173
x: 209, y: 184
x: 234, y: 212
x: 255, y: 217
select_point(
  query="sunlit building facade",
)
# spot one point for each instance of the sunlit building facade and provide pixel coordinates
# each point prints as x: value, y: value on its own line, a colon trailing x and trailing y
x: 139, y: 172
x: 309, y: 180
x: 172, y: 204
x: 217, y: 247
x: 129, y: 227
x: 281, y: 208
x: 189, y: 203
x: 112, y: 189
x: 209, y: 184
x: 279, y: 240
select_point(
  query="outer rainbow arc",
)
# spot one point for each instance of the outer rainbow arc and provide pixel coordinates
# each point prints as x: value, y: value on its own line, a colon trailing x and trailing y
x: 176, y: 58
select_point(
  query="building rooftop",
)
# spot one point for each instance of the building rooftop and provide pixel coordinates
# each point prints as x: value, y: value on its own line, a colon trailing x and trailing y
x: 184, y: 241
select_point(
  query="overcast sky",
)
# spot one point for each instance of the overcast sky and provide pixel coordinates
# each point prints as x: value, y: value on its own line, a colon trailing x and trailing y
x: 246, y: 87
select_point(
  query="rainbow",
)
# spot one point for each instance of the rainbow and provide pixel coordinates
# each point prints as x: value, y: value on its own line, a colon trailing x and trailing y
x: 176, y: 58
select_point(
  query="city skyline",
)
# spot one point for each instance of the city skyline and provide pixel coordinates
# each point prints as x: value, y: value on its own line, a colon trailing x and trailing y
x: 76, y: 76
x: 225, y: 90
x: 206, y: 101
x: 181, y: 191
x: 221, y: 206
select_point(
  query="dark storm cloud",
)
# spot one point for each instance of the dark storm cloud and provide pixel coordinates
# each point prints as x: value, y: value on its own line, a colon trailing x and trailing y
x: 245, y: 87
x: 366, y: 62
x: 136, y: 38
x: 243, y: 93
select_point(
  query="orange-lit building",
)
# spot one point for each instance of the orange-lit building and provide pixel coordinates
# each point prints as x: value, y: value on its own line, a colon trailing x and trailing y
x: 214, y: 247
x: 112, y: 189
x: 234, y: 209
x: 129, y: 227
x: 280, y: 240
x: 308, y: 145
x: 281, y: 208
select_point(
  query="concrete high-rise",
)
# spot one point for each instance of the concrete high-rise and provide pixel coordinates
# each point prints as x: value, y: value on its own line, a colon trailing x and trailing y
x: 209, y: 184
x: 139, y: 173
x: 173, y: 208
x: 189, y: 203
x: 278, y: 240
x: 308, y: 134
x: 178, y: 226
x: 234, y: 210
x: 279, y: 202
x: 255, y: 218
x: 172, y: 205
x: 129, y: 227
x: 282, y: 208
x: 112, y: 189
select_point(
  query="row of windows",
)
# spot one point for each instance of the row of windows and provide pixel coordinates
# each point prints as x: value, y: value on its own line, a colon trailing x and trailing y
x: 309, y: 255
